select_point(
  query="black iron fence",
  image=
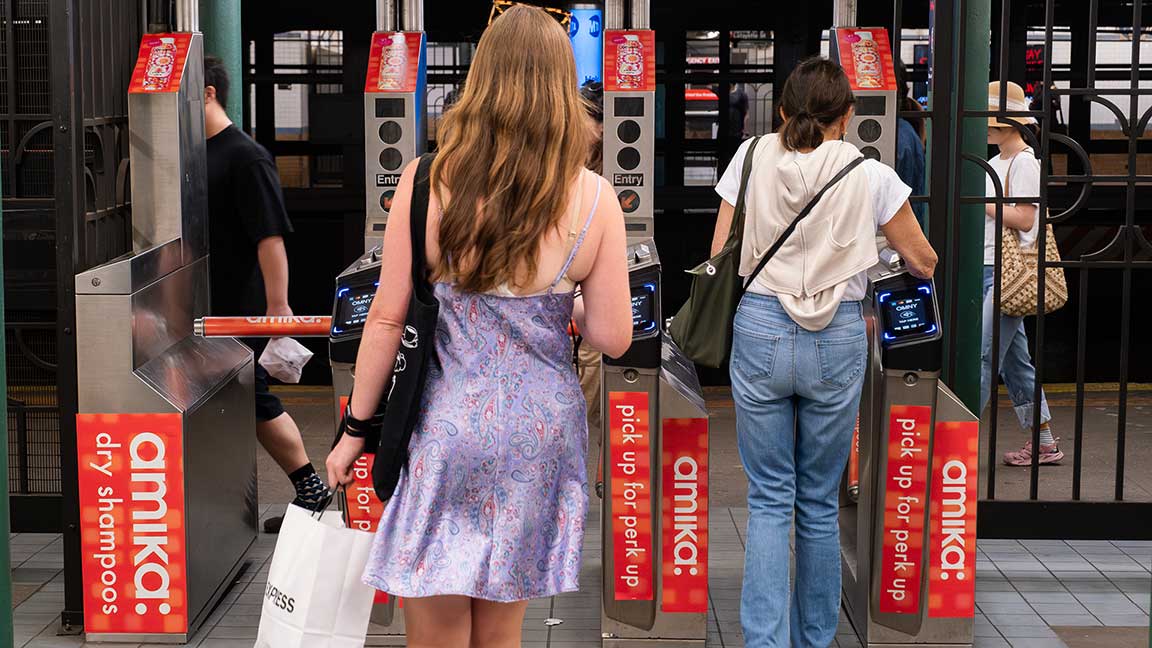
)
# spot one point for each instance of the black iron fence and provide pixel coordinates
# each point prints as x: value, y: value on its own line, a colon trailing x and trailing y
x: 1090, y: 180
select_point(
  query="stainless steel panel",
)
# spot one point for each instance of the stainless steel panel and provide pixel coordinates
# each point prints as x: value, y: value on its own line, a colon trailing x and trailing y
x: 612, y: 642
x: 136, y: 638
x: 163, y: 312
x: 377, y: 180
x: 169, y: 173
x: 641, y: 180
x: 640, y: 14
x: 385, y: 15
x: 104, y: 365
x: 886, y: 144
x: 844, y: 13
x: 413, y: 15
x: 131, y: 272
x: 219, y: 481
x: 193, y: 369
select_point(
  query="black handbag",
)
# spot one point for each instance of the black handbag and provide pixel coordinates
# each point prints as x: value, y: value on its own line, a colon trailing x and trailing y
x: 404, y: 398
x: 703, y: 326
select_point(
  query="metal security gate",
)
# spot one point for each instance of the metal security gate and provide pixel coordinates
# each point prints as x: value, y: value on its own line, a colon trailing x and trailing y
x: 64, y: 70
x: 1092, y: 61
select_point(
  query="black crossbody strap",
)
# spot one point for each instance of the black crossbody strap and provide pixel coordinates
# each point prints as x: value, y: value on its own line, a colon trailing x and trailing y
x: 418, y: 218
x: 796, y: 221
x: 736, y: 232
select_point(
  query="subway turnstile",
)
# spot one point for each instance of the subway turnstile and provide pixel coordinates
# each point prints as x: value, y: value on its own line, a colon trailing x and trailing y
x: 908, y: 539
x: 166, y: 429
x: 655, y: 508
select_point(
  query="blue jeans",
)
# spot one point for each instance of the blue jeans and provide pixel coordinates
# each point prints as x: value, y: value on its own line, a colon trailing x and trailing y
x: 1015, y: 362
x: 797, y: 394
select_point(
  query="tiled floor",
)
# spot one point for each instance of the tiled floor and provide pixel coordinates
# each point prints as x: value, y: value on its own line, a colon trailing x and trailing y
x: 1023, y: 588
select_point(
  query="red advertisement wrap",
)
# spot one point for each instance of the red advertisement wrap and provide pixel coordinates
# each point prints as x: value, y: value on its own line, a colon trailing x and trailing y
x: 631, y: 487
x: 265, y: 326
x: 866, y: 56
x: 131, y: 481
x: 394, y: 61
x: 160, y: 63
x: 364, y: 508
x: 684, y: 461
x: 630, y: 60
x: 952, y: 520
x: 909, y: 437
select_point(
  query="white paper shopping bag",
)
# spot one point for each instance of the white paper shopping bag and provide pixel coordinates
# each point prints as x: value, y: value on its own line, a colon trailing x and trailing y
x: 314, y: 597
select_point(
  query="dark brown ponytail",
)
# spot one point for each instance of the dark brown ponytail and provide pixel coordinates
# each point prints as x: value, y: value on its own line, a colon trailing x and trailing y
x: 816, y: 94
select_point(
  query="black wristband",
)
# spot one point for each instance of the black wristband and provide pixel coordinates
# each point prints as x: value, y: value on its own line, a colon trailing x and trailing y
x: 357, y: 428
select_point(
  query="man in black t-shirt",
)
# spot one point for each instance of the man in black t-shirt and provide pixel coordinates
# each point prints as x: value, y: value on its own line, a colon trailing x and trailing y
x: 248, y: 265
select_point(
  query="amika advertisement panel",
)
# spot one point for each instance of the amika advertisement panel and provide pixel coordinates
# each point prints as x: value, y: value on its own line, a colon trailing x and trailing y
x: 394, y: 62
x: 630, y: 442
x: 952, y: 520
x: 866, y: 56
x: 630, y: 60
x: 132, y: 523
x: 364, y: 508
x: 906, y: 490
x: 684, y: 515
x: 160, y: 63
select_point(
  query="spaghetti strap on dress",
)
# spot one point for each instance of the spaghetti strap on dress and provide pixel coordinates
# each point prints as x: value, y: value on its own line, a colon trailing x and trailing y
x: 493, y: 502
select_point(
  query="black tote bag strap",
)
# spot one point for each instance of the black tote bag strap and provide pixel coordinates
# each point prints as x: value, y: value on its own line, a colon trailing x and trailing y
x: 418, y: 218
x: 736, y: 232
x: 796, y: 221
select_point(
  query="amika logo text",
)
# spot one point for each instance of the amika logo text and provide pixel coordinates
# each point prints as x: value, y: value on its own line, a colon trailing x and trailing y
x: 953, y: 552
x: 132, y: 524
x: 149, y: 530
x: 685, y: 521
x: 285, y: 319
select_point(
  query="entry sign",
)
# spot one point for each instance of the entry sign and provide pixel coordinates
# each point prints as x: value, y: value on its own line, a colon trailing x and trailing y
x: 905, y: 488
x: 132, y: 523
x: 631, y: 488
x: 952, y: 520
x: 684, y: 515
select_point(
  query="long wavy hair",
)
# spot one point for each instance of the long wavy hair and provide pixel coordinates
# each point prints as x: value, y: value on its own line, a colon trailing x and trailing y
x: 509, y: 152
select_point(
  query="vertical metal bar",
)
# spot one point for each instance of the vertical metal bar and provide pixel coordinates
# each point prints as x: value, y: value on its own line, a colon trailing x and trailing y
x: 968, y: 219
x: 844, y: 13
x: 413, y: 15
x: 21, y: 442
x: 614, y: 14
x: 385, y: 15
x: 641, y: 15
x: 6, y: 636
x: 10, y: 86
x: 1129, y: 256
x: 1042, y: 217
x: 1081, y: 360
x: 68, y: 152
x: 940, y: 147
x: 897, y: 35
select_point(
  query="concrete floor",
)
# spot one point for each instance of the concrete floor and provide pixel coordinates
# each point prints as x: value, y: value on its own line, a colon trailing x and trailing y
x: 1030, y: 594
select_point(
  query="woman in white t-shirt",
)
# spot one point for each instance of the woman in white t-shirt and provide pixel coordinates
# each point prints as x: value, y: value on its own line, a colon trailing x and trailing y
x: 1019, y: 174
x: 799, y: 345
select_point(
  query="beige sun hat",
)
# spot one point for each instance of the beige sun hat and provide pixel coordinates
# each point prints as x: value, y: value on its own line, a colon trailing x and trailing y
x: 1017, y: 102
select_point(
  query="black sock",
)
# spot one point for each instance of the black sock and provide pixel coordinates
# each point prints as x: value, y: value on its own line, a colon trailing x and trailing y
x: 310, y: 489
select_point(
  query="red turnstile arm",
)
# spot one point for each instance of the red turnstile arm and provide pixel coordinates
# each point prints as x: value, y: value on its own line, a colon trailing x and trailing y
x: 264, y: 327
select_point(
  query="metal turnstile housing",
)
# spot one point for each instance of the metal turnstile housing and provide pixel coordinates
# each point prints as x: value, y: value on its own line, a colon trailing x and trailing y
x: 166, y: 430
x: 656, y: 471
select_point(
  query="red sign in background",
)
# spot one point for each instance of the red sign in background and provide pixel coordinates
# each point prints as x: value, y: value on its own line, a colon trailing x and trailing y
x: 866, y: 56
x: 905, y: 488
x: 684, y: 515
x: 630, y: 60
x: 132, y: 525
x: 364, y: 508
x: 160, y: 63
x: 629, y: 442
x: 394, y: 61
x: 952, y: 520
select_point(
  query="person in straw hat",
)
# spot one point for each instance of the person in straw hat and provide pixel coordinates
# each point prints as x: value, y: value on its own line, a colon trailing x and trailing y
x: 1018, y: 169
